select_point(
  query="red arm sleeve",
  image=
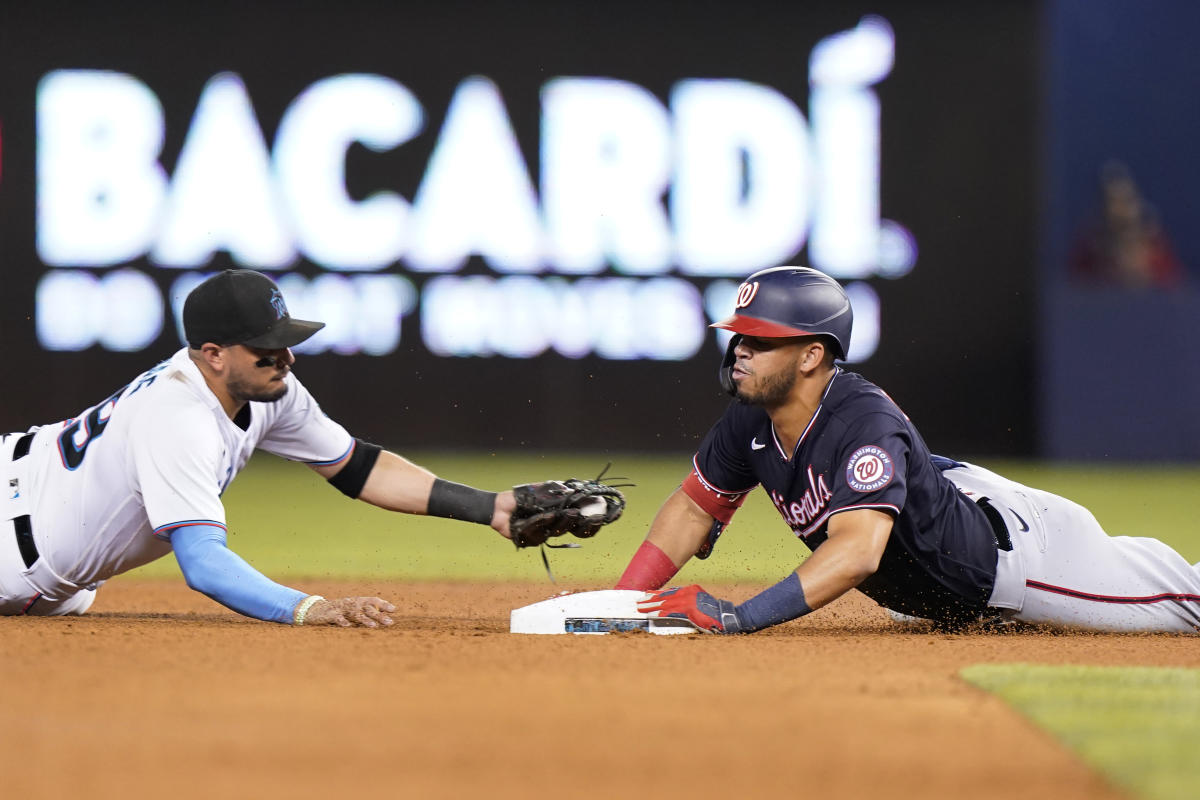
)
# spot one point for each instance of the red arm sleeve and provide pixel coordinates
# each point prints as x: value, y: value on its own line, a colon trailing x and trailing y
x: 720, y: 505
x: 650, y: 568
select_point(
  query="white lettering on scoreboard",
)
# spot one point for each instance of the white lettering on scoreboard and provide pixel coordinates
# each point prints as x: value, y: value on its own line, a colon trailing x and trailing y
x: 724, y: 178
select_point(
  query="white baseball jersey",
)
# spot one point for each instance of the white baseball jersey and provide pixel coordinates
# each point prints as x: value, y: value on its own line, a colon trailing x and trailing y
x: 106, y: 489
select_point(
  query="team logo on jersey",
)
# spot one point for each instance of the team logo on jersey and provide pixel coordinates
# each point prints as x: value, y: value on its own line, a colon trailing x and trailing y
x: 799, y: 514
x: 869, y: 469
x: 745, y: 294
x: 277, y: 304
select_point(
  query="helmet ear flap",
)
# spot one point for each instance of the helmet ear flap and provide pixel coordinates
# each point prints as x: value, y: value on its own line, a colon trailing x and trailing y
x: 725, y: 374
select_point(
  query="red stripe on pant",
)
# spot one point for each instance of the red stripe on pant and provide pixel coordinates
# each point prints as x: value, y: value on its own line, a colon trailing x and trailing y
x: 32, y: 600
x: 1105, y: 598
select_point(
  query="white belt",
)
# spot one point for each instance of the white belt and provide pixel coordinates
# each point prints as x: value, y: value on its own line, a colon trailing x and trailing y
x: 1009, y: 590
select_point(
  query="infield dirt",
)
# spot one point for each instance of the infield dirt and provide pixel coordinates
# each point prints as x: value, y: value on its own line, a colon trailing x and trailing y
x: 158, y: 692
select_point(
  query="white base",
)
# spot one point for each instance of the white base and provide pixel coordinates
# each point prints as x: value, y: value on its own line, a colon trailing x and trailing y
x: 605, y: 611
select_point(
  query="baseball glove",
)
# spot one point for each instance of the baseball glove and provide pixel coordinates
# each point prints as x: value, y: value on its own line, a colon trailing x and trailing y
x: 554, y: 508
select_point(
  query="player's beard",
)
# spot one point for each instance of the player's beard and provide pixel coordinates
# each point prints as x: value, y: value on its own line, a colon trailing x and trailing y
x: 772, y: 391
x: 241, y: 392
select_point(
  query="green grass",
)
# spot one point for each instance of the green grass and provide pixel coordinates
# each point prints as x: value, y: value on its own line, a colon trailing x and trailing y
x: 1128, y: 499
x: 288, y: 522
x: 1140, y: 726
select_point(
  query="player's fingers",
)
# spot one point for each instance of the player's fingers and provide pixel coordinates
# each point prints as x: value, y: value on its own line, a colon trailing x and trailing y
x: 376, y: 617
x: 380, y: 610
x: 382, y: 605
x: 654, y: 599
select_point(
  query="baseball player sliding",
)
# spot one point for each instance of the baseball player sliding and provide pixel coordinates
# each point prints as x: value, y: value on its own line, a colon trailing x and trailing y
x: 141, y: 473
x: 922, y: 535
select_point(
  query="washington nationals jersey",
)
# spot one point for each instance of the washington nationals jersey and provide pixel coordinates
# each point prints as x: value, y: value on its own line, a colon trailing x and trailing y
x: 860, y: 451
x: 107, y: 488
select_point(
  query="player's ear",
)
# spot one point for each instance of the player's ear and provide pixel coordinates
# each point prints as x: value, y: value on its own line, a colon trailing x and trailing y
x: 814, y: 355
x: 212, y: 355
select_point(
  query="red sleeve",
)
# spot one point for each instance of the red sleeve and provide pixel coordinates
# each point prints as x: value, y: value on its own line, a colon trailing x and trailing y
x: 649, y: 569
x: 717, y: 503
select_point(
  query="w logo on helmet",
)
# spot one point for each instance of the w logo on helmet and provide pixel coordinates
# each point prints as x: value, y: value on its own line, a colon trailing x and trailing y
x: 277, y: 304
x: 746, y: 294
x: 792, y: 301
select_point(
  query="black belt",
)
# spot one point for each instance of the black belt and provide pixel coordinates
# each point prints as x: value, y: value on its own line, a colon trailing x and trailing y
x: 21, y: 525
x: 22, y: 448
x: 29, y: 551
x: 996, y: 520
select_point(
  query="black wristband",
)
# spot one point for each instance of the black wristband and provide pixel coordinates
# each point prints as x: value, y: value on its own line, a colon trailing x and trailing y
x: 351, y: 478
x: 456, y: 501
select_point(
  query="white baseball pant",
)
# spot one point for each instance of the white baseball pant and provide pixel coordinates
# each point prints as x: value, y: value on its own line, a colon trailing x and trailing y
x: 1064, y: 570
x: 32, y: 589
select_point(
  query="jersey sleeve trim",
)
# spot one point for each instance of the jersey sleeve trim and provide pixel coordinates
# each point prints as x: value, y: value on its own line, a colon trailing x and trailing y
x: 164, y: 531
x: 340, y: 458
x: 712, y: 487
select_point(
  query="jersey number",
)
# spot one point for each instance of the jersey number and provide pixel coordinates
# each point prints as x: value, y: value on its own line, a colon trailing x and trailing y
x: 74, y: 440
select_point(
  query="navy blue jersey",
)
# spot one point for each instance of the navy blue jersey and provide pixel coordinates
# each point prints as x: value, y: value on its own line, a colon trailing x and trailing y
x: 860, y: 451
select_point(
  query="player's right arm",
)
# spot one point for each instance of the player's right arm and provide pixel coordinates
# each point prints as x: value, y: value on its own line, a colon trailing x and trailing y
x: 680, y: 527
x: 695, y: 513
x: 679, y: 530
x: 390, y: 481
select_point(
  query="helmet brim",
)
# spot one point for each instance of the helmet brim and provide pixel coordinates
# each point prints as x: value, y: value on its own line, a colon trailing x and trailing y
x: 753, y: 326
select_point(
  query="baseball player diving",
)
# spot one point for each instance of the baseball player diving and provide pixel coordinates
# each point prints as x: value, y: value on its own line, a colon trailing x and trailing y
x: 922, y: 535
x: 141, y: 473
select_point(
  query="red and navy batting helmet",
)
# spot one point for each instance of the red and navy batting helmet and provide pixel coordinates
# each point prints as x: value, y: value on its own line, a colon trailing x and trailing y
x: 787, y: 301
x: 792, y: 301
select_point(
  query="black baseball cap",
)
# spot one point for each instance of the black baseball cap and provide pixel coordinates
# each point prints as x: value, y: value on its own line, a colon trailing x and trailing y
x: 241, y: 306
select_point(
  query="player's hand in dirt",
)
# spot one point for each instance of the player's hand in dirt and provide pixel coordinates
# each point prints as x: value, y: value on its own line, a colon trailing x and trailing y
x: 348, y: 612
x: 692, y: 603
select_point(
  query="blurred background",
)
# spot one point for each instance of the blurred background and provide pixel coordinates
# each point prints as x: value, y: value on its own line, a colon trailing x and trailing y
x: 518, y: 220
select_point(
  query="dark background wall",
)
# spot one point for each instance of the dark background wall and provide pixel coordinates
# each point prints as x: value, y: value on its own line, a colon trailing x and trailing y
x: 1119, y: 365
x: 958, y: 157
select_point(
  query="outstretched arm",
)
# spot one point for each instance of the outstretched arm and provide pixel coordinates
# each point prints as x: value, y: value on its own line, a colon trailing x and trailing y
x: 395, y: 483
x: 214, y: 570
x: 849, y: 556
x: 678, y: 531
x: 680, y: 527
